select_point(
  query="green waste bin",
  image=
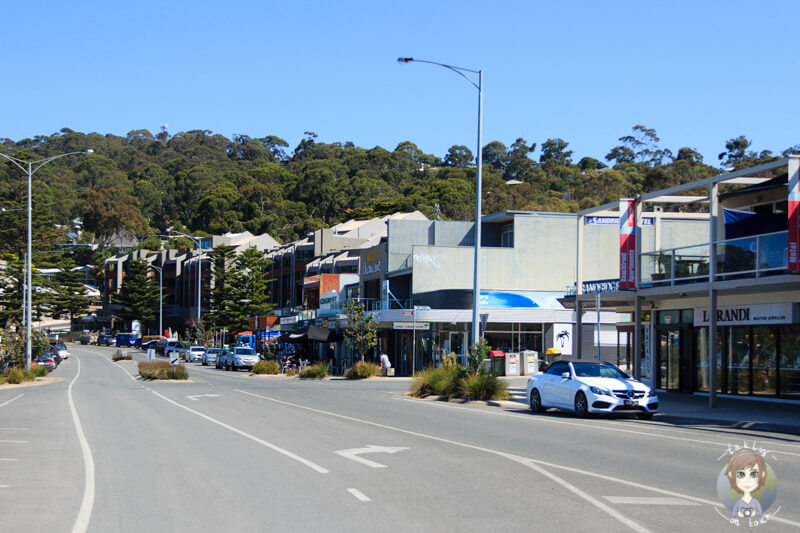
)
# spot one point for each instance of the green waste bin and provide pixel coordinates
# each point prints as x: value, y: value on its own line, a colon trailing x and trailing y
x: 498, y: 362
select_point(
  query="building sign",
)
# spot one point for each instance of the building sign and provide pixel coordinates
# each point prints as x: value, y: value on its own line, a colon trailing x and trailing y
x: 595, y: 286
x: 611, y: 221
x: 385, y: 294
x: 328, y: 303
x: 562, y: 338
x: 411, y: 325
x: 520, y: 300
x: 627, y: 243
x: 289, y: 319
x: 372, y: 268
x: 742, y: 315
x: 794, y: 214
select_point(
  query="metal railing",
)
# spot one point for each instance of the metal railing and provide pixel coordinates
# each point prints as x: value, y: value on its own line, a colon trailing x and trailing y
x: 745, y: 257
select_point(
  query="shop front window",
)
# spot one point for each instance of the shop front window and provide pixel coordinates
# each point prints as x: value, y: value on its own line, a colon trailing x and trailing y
x: 764, y: 360
x: 790, y: 361
x: 739, y: 362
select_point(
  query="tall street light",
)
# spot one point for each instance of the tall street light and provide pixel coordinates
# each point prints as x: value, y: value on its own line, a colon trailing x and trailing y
x: 196, y: 241
x: 476, y: 296
x: 160, y: 298
x: 30, y: 168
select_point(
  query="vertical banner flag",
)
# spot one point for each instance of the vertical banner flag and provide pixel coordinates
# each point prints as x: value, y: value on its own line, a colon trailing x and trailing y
x: 794, y: 214
x: 627, y: 243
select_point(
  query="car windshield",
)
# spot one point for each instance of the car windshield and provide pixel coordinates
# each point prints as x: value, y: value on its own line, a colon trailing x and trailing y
x: 212, y: 351
x: 598, y: 370
x: 245, y: 351
x: 197, y: 348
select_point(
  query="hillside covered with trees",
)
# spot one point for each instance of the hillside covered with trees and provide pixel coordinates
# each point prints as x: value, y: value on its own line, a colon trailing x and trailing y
x: 198, y: 181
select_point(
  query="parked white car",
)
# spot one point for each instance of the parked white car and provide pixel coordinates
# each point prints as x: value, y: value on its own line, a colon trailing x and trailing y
x: 241, y: 357
x: 210, y: 356
x: 590, y: 387
x: 195, y: 353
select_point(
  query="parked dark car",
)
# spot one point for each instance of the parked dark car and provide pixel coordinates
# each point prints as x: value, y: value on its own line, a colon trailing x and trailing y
x: 46, y: 361
x: 54, y: 354
x: 85, y: 339
x: 105, y: 340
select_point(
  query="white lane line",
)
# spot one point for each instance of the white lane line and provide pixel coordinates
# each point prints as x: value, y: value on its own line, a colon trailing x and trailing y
x: 4, y: 486
x: 591, y: 426
x: 645, y: 500
x: 14, y: 441
x: 11, y: 400
x: 112, y: 363
x: 359, y: 495
x: 4, y: 459
x: 522, y: 460
x: 87, y: 503
x: 13, y: 429
x: 572, y: 488
x: 269, y: 445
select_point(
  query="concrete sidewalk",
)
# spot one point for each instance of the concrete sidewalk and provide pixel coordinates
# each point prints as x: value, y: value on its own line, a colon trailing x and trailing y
x: 690, y: 409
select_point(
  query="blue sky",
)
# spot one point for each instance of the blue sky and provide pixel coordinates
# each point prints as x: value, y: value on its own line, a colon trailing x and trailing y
x: 699, y: 72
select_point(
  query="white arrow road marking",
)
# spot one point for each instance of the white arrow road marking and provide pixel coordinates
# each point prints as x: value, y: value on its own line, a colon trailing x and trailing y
x: 353, y: 454
x: 644, y: 500
x: 196, y: 396
x: 358, y: 494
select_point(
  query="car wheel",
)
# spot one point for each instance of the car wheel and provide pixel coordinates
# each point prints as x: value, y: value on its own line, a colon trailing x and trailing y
x: 536, y: 401
x: 645, y: 416
x: 581, y: 405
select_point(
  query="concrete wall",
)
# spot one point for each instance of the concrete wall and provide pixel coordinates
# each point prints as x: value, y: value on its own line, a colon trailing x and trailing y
x: 403, y: 234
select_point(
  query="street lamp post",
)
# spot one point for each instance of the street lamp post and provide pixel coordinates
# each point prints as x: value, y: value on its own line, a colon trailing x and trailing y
x: 476, y: 303
x: 160, y: 298
x: 30, y: 168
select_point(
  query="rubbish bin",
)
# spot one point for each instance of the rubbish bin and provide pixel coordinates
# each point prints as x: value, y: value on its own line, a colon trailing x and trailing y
x: 552, y: 355
x: 498, y: 362
x: 513, y: 364
x: 530, y: 362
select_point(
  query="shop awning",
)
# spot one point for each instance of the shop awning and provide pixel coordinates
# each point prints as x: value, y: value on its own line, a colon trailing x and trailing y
x: 316, y: 333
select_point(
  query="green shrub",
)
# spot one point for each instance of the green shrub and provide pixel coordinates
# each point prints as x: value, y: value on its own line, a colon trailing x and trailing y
x: 162, y: 370
x: 483, y: 387
x: 421, y: 383
x: 267, y: 367
x: 446, y: 381
x: 120, y: 356
x: 317, y: 371
x: 37, y: 371
x: 362, y: 370
x: 15, y: 376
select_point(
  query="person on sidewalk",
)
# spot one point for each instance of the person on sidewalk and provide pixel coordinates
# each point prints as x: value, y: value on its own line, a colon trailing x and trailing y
x: 385, y: 364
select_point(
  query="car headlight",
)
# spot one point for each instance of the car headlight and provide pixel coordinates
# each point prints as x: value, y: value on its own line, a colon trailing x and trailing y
x: 599, y: 391
x: 652, y: 394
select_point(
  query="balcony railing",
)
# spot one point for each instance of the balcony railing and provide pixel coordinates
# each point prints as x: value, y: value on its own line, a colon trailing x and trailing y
x: 745, y: 257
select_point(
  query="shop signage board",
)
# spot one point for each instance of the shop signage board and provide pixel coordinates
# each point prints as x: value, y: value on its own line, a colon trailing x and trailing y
x: 794, y: 214
x: 627, y: 243
x: 411, y: 325
x: 743, y: 315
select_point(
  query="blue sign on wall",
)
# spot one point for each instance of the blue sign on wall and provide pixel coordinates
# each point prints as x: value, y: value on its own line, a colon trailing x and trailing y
x: 520, y: 300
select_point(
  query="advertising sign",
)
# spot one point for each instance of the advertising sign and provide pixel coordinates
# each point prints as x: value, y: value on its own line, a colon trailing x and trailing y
x: 562, y: 338
x: 627, y: 243
x: 794, y: 214
x: 741, y: 315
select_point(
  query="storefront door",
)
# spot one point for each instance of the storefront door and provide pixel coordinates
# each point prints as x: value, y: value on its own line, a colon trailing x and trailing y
x: 674, y: 363
x: 457, y: 346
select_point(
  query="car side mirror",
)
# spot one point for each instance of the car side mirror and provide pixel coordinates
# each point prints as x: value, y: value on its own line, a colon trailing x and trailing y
x: 565, y: 375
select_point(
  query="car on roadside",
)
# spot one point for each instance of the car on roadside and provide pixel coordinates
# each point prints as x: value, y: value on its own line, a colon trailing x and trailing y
x: 590, y: 387
x: 241, y: 357
x: 85, y: 339
x: 222, y: 356
x: 104, y: 340
x: 54, y: 354
x: 60, y: 349
x: 171, y: 346
x: 46, y: 361
x: 125, y: 340
x: 210, y: 356
x: 195, y: 353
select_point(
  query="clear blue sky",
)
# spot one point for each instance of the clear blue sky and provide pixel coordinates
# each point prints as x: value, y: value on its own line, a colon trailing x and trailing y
x: 698, y: 72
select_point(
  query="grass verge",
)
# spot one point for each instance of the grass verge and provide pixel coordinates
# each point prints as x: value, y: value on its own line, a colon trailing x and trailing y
x: 15, y: 376
x: 267, y: 367
x: 121, y: 356
x: 316, y: 371
x: 162, y: 370
x: 456, y: 382
x: 362, y: 370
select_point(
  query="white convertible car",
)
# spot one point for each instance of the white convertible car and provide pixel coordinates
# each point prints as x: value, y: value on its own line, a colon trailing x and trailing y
x: 590, y: 387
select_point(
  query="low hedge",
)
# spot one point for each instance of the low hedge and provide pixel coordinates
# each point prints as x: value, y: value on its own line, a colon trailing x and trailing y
x: 162, y: 370
x: 121, y: 356
x: 455, y: 382
x: 362, y: 370
x: 267, y: 367
x: 316, y: 371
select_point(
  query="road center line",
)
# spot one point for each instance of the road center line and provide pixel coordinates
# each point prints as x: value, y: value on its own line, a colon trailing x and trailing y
x: 359, y: 495
x: 4, y: 459
x: 85, y: 512
x: 589, y: 426
x: 533, y: 466
x: 13, y: 429
x: 269, y: 445
x: 14, y: 441
x: 11, y: 400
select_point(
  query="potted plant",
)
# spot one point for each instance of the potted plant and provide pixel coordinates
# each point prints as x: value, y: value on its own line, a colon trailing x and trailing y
x: 663, y: 263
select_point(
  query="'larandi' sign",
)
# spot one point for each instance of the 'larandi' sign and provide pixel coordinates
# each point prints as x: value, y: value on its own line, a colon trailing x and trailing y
x: 742, y: 315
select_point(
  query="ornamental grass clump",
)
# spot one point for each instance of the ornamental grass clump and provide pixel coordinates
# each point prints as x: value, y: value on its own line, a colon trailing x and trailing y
x: 15, y: 376
x: 362, y: 370
x: 36, y: 372
x: 316, y: 371
x: 121, y: 356
x: 446, y: 381
x: 421, y: 383
x: 483, y: 387
x: 267, y: 367
x: 162, y: 370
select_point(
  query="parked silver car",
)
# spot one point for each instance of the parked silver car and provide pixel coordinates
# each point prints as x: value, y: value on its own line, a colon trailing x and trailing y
x: 210, y: 356
x: 195, y: 353
x: 241, y: 357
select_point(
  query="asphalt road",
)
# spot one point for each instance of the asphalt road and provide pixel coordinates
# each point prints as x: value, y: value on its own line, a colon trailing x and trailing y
x: 102, y: 451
